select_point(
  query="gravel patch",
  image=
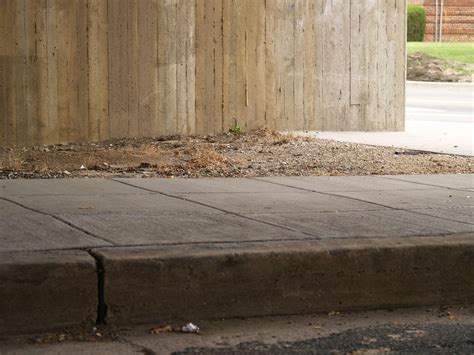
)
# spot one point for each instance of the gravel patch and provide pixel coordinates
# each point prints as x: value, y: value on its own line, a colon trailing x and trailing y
x: 259, y: 153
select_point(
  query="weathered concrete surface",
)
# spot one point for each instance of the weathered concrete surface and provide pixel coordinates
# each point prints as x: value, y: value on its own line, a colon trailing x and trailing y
x: 451, y: 181
x: 128, y: 212
x: 465, y: 215
x: 205, y: 185
x: 108, y: 203
x: 106, y: 70
x: 413, y: 199
x: 183, y: 283
x: 216, y: 248
x: 131, y: 212
x: 354, y: 183
x: 44, y: 290
x: 22, y: 229
x: 90, y: 187
x: 359, y: 206
x: 382, y: 223
x: 299, y: 201
x: 140, y: 227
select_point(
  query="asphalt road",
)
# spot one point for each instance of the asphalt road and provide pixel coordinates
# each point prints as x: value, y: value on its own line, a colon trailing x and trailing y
x: 437, y: 330
x: 405, y: 339
x: 440, y: 102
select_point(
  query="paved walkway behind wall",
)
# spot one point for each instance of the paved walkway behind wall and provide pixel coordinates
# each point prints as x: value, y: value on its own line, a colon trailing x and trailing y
x: 439, y: 118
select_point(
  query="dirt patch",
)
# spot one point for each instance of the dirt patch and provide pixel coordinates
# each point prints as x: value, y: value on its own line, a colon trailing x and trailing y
x: 423, y: 67
x: 258, y: 153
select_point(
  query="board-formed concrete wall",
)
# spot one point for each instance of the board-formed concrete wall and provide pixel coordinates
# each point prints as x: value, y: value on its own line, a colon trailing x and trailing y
x: 78, y: 70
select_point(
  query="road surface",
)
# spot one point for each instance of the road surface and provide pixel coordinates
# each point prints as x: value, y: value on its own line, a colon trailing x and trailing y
x: 440, y: 102
x: 436, y: 330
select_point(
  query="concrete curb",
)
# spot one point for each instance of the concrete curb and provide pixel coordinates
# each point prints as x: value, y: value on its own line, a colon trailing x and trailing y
x: 260, y: 279
x: 46, y: 290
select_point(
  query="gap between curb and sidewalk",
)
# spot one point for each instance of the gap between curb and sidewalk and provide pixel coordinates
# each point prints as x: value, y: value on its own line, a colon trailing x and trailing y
x: 127, y: 285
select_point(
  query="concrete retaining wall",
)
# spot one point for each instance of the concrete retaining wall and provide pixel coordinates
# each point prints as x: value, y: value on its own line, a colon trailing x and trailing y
x: 79, y: 70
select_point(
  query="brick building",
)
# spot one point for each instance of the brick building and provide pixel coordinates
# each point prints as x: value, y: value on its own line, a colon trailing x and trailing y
x: 457, y: 19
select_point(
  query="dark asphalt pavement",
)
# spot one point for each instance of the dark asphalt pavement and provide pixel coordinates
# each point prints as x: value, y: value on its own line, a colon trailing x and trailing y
x: 411, y: 339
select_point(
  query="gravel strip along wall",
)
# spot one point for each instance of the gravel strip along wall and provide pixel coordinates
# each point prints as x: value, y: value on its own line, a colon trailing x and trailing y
x: 81, y: 70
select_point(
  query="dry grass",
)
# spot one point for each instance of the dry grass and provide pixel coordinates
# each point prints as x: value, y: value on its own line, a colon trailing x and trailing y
x: 205, y: 156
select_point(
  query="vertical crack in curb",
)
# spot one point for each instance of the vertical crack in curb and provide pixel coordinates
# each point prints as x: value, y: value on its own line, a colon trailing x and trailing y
x: 101, y: 305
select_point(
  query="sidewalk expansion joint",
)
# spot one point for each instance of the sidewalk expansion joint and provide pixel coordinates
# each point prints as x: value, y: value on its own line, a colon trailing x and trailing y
x: 218, y: 209
x: 424, y: 184
x: 101, y: 304
x: 72, y: 225
x: 364, y: 201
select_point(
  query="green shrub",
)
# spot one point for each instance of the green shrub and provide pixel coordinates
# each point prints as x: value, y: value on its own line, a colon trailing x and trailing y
x: 416, y: 23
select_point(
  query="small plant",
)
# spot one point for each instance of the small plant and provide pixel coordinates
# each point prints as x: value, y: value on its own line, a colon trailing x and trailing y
x: 236, y: 128
x: 416, y: 23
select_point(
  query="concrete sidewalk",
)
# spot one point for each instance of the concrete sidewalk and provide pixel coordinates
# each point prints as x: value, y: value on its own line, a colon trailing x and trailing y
x: 141, y: 250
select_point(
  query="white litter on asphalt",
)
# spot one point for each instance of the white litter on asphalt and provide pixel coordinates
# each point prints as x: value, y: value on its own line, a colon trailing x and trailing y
x: 190, y: 328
